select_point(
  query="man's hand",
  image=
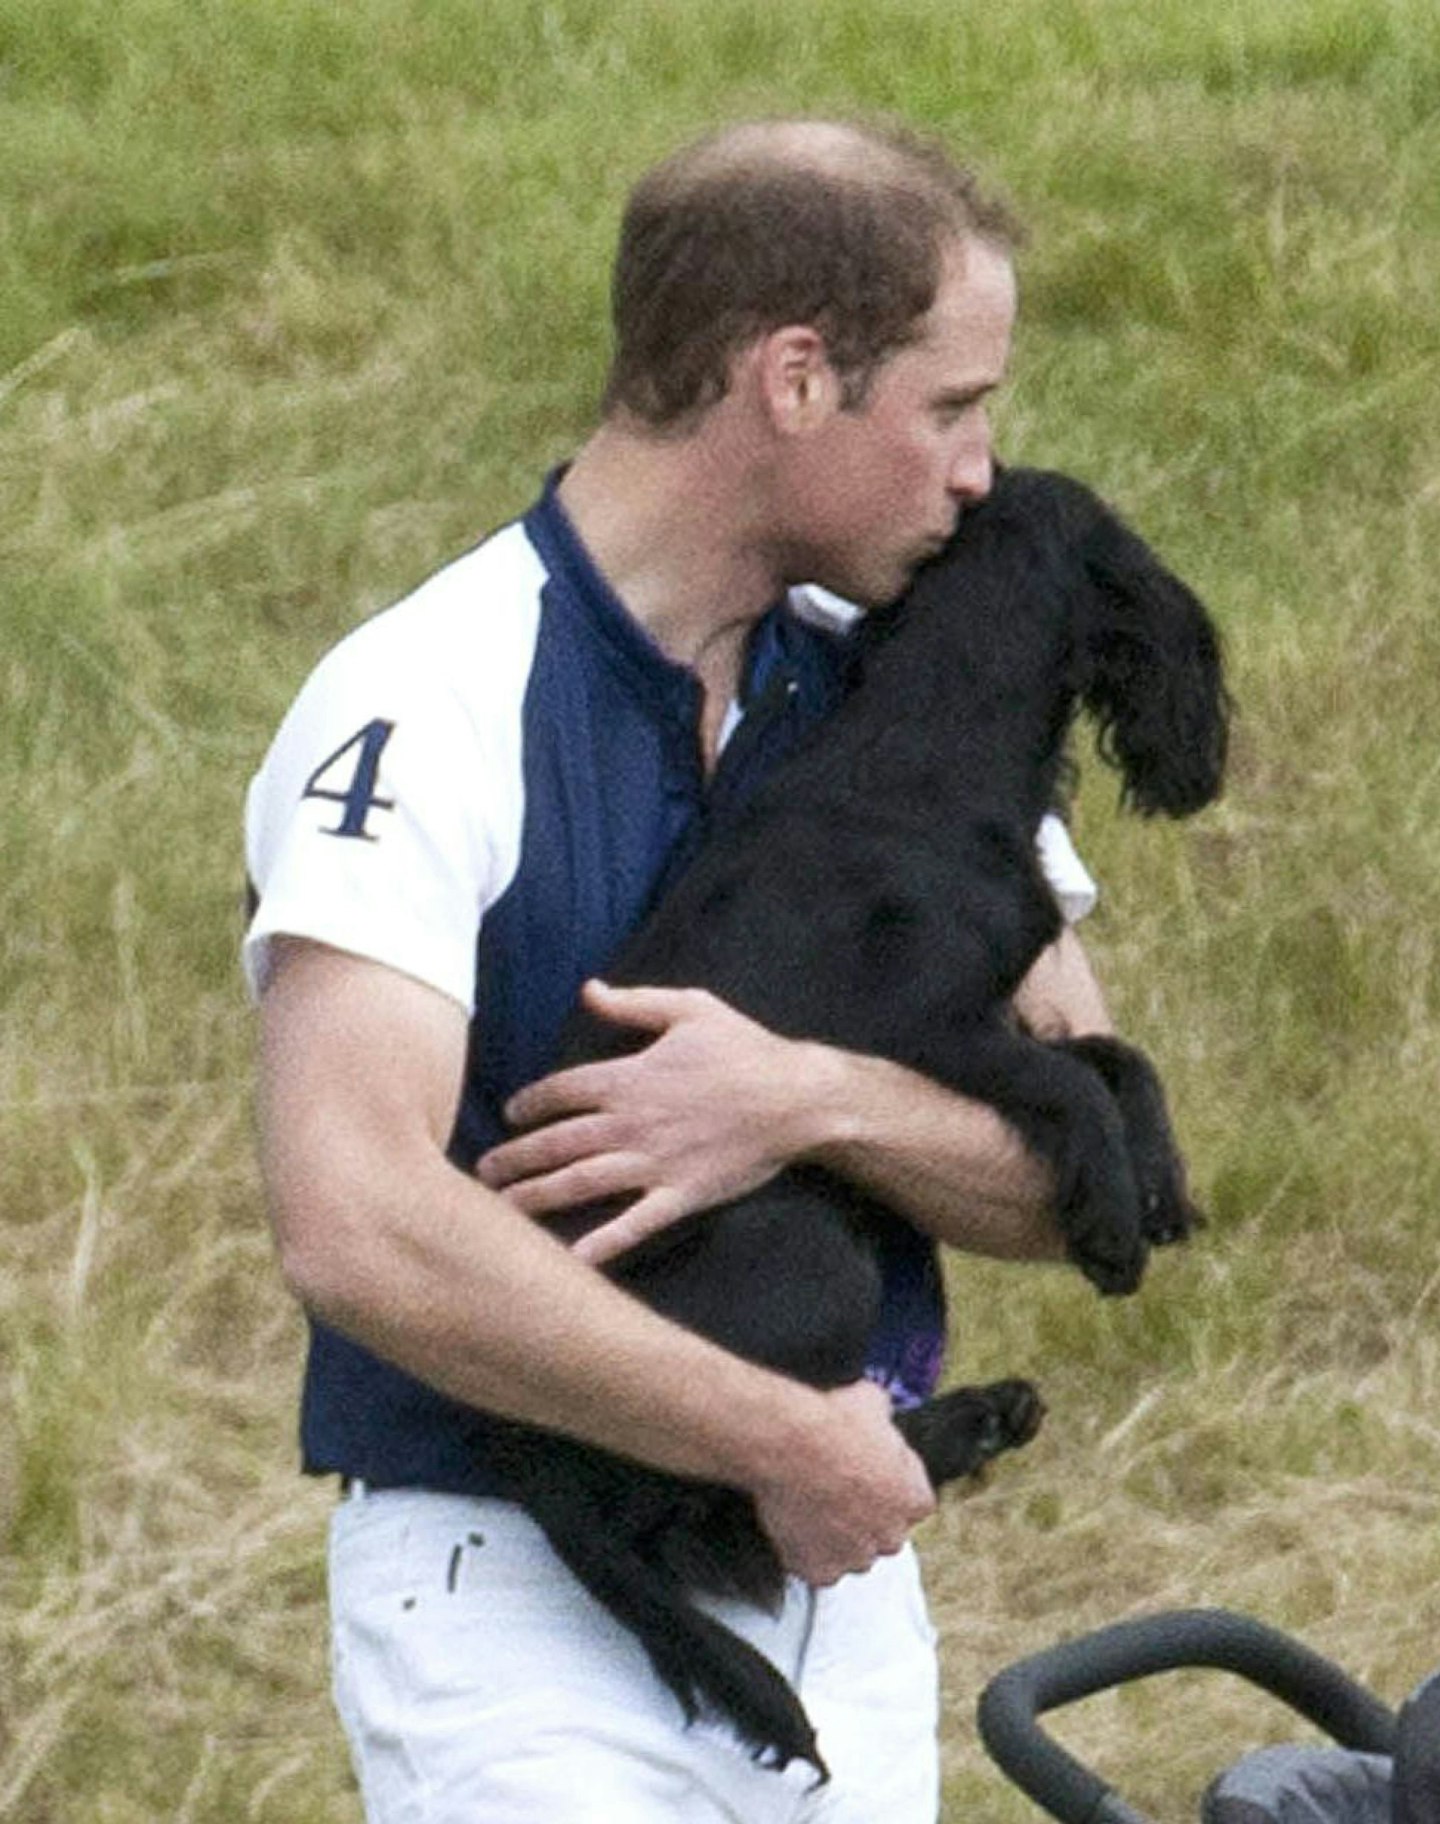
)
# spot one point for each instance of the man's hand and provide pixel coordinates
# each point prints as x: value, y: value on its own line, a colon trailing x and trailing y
x: 1061, y: 997
x: 714, y: 1107
x: 857, y: 1501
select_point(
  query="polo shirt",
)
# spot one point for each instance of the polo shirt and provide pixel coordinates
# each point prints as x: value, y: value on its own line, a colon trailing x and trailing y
x: 486, y: 787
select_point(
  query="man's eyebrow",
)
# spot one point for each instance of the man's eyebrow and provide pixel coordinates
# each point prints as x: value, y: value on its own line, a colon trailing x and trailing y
x: 966, y: 395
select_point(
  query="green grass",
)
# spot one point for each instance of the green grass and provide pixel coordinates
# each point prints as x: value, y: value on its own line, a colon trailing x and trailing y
x: 298, y: 299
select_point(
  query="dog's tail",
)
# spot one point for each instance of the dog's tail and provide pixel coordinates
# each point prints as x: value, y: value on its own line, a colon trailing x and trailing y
x: 1152, y: 675
x: 608, y: 1522
x: 708, y: 1668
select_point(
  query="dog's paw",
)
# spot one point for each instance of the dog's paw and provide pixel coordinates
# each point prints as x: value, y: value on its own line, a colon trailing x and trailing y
x: 1112, y: 1255
x: 959, y: 1432
x: 1167, y: 1216
x: 1019, y: 1412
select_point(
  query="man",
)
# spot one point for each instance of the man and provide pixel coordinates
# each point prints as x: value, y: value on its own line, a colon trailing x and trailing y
x: 471, y: 803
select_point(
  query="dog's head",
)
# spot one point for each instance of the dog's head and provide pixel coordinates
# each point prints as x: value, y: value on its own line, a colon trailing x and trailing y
x: 1146, y: 654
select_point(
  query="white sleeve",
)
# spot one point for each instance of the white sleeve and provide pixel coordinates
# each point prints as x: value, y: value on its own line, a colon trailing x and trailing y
x: 1069, y: 878
x: 386, y: 817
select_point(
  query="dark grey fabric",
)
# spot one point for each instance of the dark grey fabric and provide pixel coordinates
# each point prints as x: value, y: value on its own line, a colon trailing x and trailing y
x: 1291, y: 1785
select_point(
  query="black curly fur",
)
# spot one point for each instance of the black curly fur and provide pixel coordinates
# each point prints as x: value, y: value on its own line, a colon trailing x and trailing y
x: 881, y: 893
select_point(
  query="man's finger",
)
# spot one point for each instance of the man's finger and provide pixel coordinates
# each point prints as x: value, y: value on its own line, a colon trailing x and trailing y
x: 567, y: 1092
x: 543, y: 1149
x: 646, y: 1009
x: 655, y: 1211
x: 574, y: 1186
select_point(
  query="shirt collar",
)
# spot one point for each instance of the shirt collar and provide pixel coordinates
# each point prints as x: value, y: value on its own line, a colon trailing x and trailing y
x: 672, y: 687
x: 587, y: 598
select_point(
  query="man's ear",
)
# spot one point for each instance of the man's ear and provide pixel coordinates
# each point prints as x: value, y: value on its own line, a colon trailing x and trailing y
x: 797, y: 385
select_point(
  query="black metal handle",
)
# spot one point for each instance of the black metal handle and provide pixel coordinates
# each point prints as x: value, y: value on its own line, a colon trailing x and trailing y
x: 1217, y: 1638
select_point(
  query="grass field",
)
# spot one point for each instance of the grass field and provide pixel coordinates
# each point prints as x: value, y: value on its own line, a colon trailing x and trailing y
x: 298, y: 299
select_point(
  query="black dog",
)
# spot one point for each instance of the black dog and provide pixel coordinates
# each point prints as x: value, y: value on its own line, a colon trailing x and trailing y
x: 881, y: 893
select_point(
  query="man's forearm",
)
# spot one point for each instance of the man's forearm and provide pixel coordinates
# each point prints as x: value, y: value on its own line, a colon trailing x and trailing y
x: 950, y: 1165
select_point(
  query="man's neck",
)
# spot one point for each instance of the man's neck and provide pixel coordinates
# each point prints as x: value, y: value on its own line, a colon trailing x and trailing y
x: 668, y: 523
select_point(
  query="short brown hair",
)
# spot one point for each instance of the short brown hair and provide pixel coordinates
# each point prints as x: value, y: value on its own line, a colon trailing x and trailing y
x: 837, y: 225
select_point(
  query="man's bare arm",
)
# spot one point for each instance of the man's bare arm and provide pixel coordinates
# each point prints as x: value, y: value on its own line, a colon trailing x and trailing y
x: 382, y: 1238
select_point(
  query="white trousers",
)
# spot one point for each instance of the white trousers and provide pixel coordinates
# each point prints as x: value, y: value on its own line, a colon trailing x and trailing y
x: 480, y: 1684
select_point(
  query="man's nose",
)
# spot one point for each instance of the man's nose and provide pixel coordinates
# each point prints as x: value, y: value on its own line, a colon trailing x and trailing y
x: 973, y: 470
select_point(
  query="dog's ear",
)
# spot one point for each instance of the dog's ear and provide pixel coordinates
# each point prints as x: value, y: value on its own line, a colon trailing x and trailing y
x: 1152, y: 675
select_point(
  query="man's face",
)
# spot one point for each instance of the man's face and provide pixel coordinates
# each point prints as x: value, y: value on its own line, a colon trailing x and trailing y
x: 880, y: 487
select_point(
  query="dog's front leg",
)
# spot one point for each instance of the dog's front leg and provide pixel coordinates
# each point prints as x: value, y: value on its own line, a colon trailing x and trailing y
x: 1166, y: 1212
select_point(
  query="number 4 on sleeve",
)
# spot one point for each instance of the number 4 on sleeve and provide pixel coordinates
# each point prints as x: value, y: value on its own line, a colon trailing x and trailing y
x: 359, y: 797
